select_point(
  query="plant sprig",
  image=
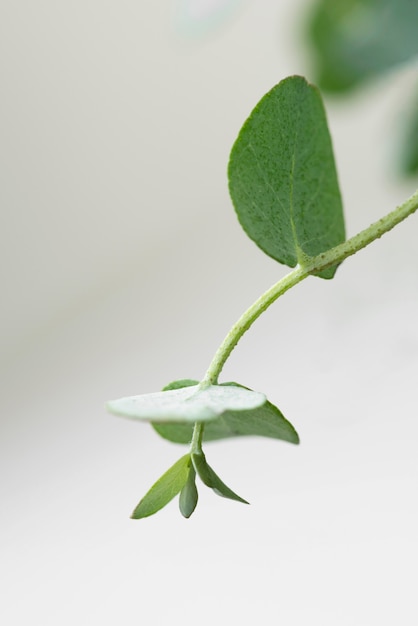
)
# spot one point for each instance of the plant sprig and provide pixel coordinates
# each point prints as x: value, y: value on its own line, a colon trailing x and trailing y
x: 284, y: 187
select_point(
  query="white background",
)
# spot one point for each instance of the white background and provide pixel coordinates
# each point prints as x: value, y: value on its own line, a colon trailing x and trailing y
x: 123, y: 266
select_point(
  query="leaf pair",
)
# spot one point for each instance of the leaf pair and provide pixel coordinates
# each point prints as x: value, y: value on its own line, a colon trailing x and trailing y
x: 263, y: 421
x: 181, y: 479
x: 228, y: 410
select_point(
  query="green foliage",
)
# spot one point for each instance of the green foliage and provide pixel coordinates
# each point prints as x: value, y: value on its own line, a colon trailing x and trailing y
x: 409, y: 145
x: 181, y: 479
x: 264, y: 421
x: 357, y: 39
x: 282, y: 176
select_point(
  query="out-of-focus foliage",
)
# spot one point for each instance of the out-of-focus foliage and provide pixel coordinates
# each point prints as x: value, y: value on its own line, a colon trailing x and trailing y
x: 409, y: 140
x: 357, y: 39
x: 354, y: 41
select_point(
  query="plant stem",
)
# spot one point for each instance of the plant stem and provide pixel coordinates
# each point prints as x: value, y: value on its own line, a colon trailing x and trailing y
x: 247, y: 319
x: 196, y: 443
x: 365, y: 237
x: 312, y: 265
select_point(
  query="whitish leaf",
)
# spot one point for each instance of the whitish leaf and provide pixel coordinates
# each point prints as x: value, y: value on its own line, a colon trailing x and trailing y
x: 188, y: 404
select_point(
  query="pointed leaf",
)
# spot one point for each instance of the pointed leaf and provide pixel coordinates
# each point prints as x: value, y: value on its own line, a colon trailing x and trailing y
x: 264, y: 421
x: 165, y: 489
x: 357, y: 40
x: 282, y: 176
x: 210, y: 479
x: 189, y: 495
x: 188, y: 404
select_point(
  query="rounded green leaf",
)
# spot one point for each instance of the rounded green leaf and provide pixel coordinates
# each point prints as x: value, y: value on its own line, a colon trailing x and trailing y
x: 188, y: 404
x: 165, y: 489
x: 282, y: 176
x: 264, y: 421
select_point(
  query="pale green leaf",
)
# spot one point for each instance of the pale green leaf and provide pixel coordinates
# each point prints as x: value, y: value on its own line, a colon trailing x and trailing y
x: 188, y: 404
x: 282, y: 176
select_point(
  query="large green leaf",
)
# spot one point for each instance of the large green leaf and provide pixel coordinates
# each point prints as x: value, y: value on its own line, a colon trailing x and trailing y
x: 187, y: 404
x: 165, y: 489
x: 282, y: 176
x: 356, y: 39
x: 264, y: 421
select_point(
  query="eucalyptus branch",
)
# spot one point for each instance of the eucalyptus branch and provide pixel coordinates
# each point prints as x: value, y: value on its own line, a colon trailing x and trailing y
x: 284, y: 187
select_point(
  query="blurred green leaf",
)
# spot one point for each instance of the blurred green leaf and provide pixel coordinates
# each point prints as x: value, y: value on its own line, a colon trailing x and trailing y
x: 187, y: 404
x: 357, y: 39
x: 212, y: 480
x: 282, y: 176
x: 265, y: 421
x: 165, y: 489
x: 409, y: 147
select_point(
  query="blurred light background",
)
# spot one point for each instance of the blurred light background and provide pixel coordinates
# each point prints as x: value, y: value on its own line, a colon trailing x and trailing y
x: 123, y: 267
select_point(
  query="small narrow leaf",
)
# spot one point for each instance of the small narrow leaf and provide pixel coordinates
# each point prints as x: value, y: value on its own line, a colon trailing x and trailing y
x: 165, y: 489
x: 264, y: 421
x: 188, y: 404
x: 282, y: 176
x: 212, y: 480
x: 189, y: 495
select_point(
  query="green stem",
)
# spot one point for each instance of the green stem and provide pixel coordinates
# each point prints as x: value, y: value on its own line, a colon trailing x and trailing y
x: 312, y: 265
x: 247, y: 319
x: 196, y: 443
